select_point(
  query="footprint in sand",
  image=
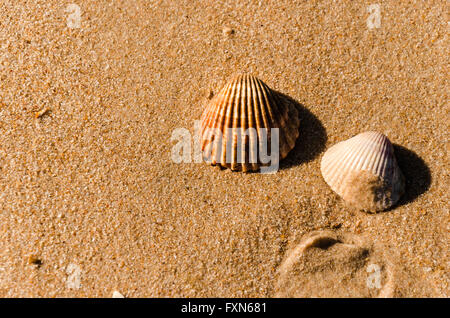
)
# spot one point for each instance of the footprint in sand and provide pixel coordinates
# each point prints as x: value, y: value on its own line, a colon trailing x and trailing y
x: 327, y: 264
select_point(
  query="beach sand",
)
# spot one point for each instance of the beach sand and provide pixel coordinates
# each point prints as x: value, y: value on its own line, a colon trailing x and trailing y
x: 92, y: 203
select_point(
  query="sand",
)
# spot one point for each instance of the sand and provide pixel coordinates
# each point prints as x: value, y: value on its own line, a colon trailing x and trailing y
x: 92, y: 204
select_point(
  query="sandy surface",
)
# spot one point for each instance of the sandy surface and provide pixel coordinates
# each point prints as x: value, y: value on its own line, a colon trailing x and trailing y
x: 91, y: 202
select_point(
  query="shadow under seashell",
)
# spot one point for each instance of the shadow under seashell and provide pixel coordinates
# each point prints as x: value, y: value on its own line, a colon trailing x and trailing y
x: 417, y: 174
x: 311, y: 140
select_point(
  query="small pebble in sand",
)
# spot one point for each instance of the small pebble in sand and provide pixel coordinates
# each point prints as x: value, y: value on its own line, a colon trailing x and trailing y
x: 42, y: 112
x: 34, y: 260
x: 336, y: 225
x: 227, y: 31
x: 117, y: 294
x: 211, y: 94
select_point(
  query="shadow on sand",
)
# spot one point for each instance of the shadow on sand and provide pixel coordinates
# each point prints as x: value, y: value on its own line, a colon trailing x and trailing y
x: 311, y: 140
x: 416, y: 172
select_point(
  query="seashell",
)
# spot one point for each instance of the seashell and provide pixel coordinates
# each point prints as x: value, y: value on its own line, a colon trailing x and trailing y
x: 239, y: 122
x: 364, y: 172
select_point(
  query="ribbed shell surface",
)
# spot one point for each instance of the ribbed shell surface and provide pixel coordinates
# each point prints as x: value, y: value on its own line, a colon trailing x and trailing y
x: 246, y: 102
x: 368, y: 151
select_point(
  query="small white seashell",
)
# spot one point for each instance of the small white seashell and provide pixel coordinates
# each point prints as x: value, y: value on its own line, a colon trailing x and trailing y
x: 364, y: 172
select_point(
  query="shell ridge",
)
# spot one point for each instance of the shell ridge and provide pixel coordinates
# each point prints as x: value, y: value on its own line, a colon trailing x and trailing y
x: 346, y: 166
x: 221, y: 123
x: 213, y: 116
x: 252, y: 123
x: 327, y: 165
x: 216, y: 121
x: 246, y: 102
x: 387, y: 156
x: 244, y: 125
x: 373, y: 157
x: 364, y: 156
x: 236, y: 124
x: 381, y: 159
x: 225, y: 122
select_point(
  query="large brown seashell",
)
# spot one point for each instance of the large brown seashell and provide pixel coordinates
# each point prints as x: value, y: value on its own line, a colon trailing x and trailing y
x: 246, y: 102
x: 364, y: 172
